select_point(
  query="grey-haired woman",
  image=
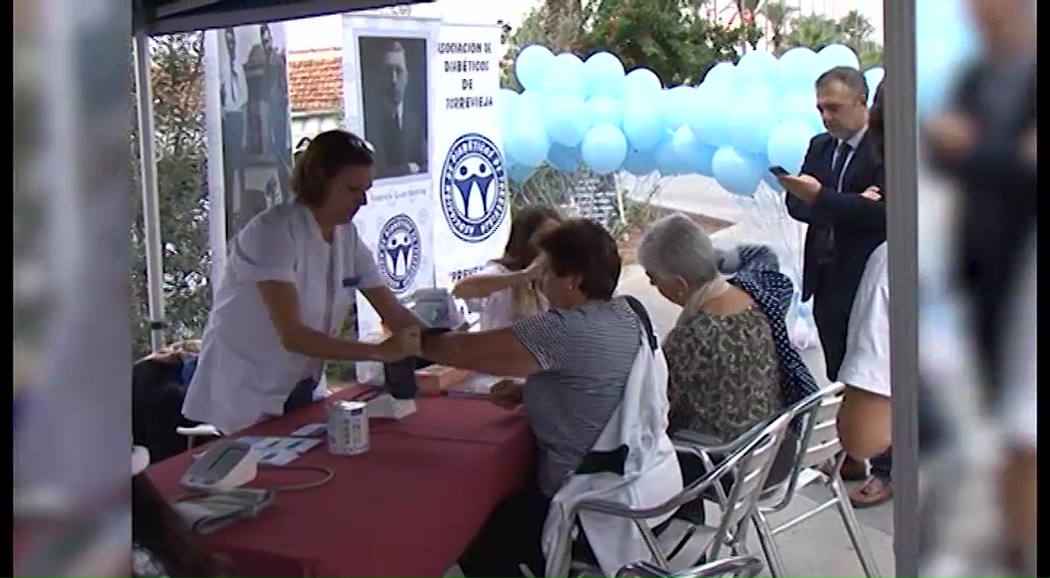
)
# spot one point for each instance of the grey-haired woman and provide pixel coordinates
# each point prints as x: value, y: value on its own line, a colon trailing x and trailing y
x: 730, y: 362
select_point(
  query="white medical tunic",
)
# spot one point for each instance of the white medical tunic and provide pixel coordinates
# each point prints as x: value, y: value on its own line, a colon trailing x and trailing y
x: 244, y: 373
x: 866, y: 364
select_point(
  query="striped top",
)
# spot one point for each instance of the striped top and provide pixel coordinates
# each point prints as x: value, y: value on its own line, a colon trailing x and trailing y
x: 586, y: 354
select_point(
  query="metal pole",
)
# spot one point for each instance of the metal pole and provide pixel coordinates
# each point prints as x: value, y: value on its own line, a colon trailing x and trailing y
x: 148, y: 181
x: 902, y: 231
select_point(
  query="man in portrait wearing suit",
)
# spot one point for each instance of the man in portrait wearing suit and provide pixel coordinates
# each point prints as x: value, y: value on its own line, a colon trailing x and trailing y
x: 838, y: 194
x: 394, y: 129
x: 233, y: 93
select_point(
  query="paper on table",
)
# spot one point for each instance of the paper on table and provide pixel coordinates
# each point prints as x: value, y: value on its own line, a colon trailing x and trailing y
x: 276, y: 457
x: 476, y: 384
x: 268, y: 444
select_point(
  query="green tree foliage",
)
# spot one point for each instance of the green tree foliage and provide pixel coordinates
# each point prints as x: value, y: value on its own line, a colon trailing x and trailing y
x: 816, y: 31
x: 673, y: 38
x: 179, y: 137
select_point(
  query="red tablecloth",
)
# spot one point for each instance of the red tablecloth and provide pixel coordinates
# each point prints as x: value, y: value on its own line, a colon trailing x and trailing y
x: 408, y: 507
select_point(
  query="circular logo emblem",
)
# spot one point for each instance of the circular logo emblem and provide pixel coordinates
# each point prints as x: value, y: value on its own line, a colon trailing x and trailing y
x: 474, y: 188
x: 399, y: 251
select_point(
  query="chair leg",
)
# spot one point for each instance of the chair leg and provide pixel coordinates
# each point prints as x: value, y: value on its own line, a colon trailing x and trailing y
x: 769, y: 546
x: 849, y: 519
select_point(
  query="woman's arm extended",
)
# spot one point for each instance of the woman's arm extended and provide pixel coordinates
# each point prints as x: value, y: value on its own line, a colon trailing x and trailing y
x: 484, y: 284
x: 497, y: 352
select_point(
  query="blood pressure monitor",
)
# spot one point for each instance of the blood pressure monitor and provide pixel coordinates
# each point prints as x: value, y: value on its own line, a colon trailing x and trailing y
x: 226, y: 465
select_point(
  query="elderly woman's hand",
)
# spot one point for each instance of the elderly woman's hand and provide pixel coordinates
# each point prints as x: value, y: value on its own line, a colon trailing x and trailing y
x: 506, y: 394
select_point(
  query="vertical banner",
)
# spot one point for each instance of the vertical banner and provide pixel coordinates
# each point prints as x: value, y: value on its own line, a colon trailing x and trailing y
x: 472, y: 197
x: 387, y: 82
x: 248, y: 112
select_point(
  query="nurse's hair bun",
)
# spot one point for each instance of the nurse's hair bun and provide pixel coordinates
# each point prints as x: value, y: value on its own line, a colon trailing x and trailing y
x: 324, y: 156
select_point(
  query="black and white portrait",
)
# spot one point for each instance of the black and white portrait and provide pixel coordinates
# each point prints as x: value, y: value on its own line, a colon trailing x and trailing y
x: 256, y: 127
x: 394, y: 94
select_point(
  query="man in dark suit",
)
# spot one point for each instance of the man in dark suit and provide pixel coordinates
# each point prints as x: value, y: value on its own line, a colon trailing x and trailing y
x: 838, y: 194
x: 395, y: 130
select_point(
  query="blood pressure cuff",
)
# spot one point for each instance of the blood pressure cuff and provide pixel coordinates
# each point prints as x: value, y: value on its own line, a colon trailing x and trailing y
x: 207, y: 513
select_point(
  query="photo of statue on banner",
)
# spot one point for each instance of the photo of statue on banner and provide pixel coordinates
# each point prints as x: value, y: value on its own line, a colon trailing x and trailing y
x: 394, y: 99
x: 256, y: 126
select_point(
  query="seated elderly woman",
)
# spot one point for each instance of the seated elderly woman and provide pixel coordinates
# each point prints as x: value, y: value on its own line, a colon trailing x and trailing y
x: 730, y: 363
x: 576, y: 358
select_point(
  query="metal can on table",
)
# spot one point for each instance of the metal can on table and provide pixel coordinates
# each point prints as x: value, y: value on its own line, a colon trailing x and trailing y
x: 347, y: 428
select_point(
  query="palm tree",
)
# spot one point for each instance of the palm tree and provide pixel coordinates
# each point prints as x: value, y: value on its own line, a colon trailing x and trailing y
x: 855, y: 28
x: 778, y: 16
x: 813, y: 31
x: 746, y: 10
x: 561, y: 22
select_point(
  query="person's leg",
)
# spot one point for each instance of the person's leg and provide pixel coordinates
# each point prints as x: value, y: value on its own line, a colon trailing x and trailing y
x: 832, y: 325
x: 510, y: 537
x: 879, y: 487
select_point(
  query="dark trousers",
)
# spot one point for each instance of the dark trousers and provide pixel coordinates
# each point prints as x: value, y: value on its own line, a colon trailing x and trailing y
x: 302, y: 394
x: 882, y: 466
x: 831, y: 314
x: 511, y: 536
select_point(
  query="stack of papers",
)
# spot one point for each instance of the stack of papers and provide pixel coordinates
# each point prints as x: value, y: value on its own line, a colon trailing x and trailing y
x: 478, y: 384
x: 279, y: 451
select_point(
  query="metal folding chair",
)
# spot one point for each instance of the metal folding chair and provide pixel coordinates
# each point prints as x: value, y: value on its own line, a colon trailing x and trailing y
x: 818, y: 445
x: 680, y: 544
x: 738, y: 567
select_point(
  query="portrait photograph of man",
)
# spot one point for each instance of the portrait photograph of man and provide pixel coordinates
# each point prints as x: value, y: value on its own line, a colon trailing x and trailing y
x: 394, y: 94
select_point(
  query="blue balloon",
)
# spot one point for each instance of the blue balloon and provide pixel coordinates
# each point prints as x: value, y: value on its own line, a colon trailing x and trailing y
x: 531, y: 104
x: 694, y: 155
x: 526, y: 142
x: 520, y: 173
x: 758, y: 65
x: 723, y: 74
x: 709, y: 119
x: 605, y: 110
x: 507, y: 102
x: 642, y: 82
x: 675, y: 105
x: 566, y: 120
x: 642, y: 124
x: 604, y: 149
x: 667, y: 160
x: 834, y: 55
x: 751, y: 121
x: 800, y: 104
x: 640, y: 162
x: 564, y: 158
x: 531, y: 66
x: 736, y: 173
x: 604, y: 74
x: 788, y: 143
x: 798, y: 69
x: 873, y: 76
x: 945, y: 42
x: 565, y: 77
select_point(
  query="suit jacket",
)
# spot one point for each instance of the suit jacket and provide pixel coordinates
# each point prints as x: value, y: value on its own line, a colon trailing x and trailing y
x: 394, y: 152
x: 997, y: 212
x: 844, y: 228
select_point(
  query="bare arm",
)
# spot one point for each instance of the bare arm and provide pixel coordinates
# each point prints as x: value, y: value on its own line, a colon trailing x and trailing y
x: 282, y: 303
x: 496, y: 352
x: 484, y: 284
x: 394, y: 315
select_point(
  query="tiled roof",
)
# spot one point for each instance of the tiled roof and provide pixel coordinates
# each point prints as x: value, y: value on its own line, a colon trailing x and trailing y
x: 315, y: 80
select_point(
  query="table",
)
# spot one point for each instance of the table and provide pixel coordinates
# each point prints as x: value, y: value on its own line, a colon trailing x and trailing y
x: 407, y: 507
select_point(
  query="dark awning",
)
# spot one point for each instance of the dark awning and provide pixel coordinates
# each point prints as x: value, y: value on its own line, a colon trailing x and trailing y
x: 168, y: 16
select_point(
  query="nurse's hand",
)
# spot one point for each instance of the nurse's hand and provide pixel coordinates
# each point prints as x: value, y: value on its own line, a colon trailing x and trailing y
x: 506, y: 394
x: 403, y: 343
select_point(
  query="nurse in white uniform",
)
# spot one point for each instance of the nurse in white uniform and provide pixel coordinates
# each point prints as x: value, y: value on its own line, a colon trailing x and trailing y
x: 287, y: 285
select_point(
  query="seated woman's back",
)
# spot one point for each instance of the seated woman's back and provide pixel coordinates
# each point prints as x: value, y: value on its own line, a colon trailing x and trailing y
x: 724, y: 374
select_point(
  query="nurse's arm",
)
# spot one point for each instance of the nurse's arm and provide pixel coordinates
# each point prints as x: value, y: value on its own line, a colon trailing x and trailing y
x: 391, y: 311
x: 282, y: 303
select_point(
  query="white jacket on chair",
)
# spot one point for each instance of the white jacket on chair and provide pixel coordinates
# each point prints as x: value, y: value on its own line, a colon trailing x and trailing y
x: 650, y: 475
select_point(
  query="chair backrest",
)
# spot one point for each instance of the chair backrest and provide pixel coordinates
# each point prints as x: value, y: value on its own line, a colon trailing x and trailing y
x: 756, y: 461
x: 819, y: 439
x: 738, y: 566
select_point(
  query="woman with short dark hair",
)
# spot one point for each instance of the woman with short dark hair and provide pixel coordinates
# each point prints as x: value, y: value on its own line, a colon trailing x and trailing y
x: 575, y: 359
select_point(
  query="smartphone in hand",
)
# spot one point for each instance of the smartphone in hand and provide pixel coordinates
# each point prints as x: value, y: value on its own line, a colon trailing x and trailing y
x: 778, y: 171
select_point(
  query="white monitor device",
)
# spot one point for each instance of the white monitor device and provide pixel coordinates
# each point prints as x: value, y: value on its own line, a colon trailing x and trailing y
x: 226, y: 465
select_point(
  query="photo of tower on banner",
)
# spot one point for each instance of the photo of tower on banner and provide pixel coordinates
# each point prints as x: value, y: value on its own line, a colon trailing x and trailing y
x: 470, y: 178
x: 387, y: 75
